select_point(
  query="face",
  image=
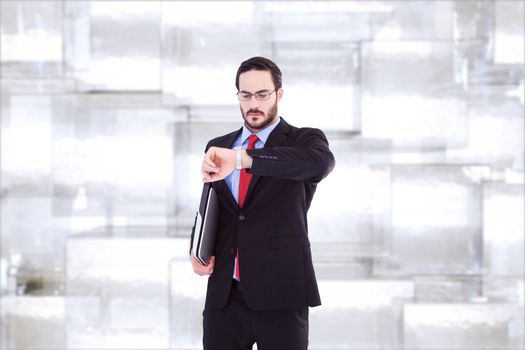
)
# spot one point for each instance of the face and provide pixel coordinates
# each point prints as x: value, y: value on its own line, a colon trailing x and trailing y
x: 258, y: 114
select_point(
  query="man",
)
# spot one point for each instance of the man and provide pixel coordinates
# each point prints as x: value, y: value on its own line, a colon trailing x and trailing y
x: 262, y: 279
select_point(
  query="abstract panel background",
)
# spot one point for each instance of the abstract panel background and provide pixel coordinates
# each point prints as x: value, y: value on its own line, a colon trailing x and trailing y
x: 106, y: 107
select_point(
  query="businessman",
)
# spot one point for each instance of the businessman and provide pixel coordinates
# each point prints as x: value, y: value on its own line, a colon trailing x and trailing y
x: 265, y: 174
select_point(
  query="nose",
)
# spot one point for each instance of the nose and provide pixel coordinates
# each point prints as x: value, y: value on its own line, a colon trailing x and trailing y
x: 253, y: 103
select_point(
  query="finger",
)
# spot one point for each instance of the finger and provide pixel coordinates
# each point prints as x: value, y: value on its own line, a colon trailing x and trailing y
x: 209, y: 171
x: 208, y: 269
x: 216, y: 177
x: 205, y: 168
x: 201, y: 269
x: 211, y: 263
x: 196, y: 269
x: 210, y: 164
x: 211, y: 177
x: 205, y: 176
x: 209, y: 161
x: 197, y: 265
x: 195, y: 261
x: 202, y: 272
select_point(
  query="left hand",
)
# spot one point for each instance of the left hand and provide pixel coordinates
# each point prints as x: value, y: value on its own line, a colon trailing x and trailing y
x: 199, y: 268
x: 217, y: 164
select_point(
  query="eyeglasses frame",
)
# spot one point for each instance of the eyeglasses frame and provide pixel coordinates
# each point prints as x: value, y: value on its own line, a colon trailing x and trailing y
x: 254, y: 94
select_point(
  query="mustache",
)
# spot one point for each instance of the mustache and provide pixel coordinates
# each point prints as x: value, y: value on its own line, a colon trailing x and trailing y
x: 254, y: 111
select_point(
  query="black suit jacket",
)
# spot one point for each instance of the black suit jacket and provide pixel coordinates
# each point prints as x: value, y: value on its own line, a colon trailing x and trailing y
x: 271, y: 229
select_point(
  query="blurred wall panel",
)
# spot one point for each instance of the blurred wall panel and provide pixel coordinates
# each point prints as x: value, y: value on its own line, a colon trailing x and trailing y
x: 318, y: 49
x: 203, y: 44
x: 27, y: 137
x: 503, y: 227
x: 410, y: 94
x: 112, y: 156
x: 33, y: 322
x: 495, y: 128
x: 360, y: 314
x: 435, y: 221
x: 107, y: 106
x: 508, y: 39
x: 414, y: 20
x: 461, y: 326
x: 187, y: 296
x: 32, y: 39
x: 128, y: 270
x: 109, y: 39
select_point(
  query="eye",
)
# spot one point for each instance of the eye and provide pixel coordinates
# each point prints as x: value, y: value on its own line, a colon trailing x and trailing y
x: 262, y: 95
x: 245, y: 95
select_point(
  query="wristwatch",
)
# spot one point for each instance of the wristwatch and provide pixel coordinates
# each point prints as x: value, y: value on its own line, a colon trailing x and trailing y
x: 238, y: 158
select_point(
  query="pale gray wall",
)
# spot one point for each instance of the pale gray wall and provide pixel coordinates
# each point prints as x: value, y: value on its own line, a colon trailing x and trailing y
x: 106, y: 107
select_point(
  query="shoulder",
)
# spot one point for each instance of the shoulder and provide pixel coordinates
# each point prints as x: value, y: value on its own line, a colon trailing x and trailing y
x: 309, y: 131
x: 298, y: 133
x: 223, y: 141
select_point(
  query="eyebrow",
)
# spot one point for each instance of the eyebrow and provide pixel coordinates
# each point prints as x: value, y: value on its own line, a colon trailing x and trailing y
x: 256, y: 92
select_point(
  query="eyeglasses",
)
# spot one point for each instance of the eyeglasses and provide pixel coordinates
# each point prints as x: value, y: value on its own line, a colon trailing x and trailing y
x: 259, y: 95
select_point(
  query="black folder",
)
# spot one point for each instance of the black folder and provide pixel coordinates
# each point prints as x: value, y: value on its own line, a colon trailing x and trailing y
x: 206, y: 225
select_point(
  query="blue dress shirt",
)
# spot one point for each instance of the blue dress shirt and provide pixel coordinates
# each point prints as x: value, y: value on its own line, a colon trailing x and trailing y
x: 232, y: 180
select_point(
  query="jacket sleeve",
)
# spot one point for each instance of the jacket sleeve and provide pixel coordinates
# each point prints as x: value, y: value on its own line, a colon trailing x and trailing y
x: 192, y: 236
x: 308, y: 159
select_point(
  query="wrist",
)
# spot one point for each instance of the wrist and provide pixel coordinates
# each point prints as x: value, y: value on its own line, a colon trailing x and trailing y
x: 247, y: 161
x: 242, y: 159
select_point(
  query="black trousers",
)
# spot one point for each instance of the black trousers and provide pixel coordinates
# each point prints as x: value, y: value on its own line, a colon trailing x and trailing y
x: 236, y: 327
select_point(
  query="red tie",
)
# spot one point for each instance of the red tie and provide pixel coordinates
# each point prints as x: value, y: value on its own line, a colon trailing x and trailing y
x: 245, y: 178
x: 244, y: 183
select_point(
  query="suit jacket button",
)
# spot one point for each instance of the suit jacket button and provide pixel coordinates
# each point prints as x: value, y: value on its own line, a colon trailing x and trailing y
x: 241, y: 217
x: 231, y: 250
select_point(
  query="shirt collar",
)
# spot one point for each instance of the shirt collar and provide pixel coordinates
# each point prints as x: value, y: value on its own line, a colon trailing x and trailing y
x: 262, y: 135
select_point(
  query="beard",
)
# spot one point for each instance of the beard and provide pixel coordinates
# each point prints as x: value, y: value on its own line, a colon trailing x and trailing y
x: 263, y: 120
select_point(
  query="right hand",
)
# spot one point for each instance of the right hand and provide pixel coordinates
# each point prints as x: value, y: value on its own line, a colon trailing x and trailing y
x: 218, y: 163
x: 199, y: 268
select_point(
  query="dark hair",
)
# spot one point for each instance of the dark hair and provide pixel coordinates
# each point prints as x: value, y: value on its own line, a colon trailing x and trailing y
x: 260, y: 63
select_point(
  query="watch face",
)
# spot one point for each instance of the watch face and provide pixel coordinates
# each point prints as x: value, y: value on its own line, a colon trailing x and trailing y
x: 238, y: 160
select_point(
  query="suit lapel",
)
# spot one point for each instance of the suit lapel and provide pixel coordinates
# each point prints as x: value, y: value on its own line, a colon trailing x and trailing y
x: 277, y: 137
x: 227, y: 140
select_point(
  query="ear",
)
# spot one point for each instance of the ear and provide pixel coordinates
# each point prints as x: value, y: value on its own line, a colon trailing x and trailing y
x: 280, y: 93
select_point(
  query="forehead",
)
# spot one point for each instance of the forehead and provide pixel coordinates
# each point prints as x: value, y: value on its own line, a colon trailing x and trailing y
x: 255, y: 80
